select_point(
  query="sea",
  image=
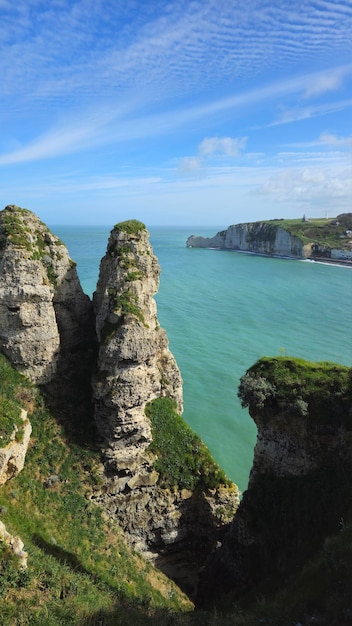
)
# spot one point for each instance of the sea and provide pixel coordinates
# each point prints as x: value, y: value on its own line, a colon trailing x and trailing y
x: 223, y: 310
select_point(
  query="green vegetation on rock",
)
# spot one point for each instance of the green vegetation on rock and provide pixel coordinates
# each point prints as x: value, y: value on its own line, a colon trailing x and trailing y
x: 15, y: 228
x: 16, y: 224
x: 125, y: 303
x: 326, y: 232
x: 183, y: 460
x: 80, y: 570
x: 322, y: 391
x: 14, y: 393
x: 130, y: 227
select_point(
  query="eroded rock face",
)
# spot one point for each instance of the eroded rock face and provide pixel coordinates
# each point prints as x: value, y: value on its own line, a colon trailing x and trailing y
x: 257, y: 237
x: 47, y: 332
x: 43, y: 311
x: 299, y: 486
x: 134, y: 367
x: 135, y: 364
x: 12, y: 456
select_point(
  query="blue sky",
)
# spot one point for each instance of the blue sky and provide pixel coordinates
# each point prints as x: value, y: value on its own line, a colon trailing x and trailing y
x: 176, y: 112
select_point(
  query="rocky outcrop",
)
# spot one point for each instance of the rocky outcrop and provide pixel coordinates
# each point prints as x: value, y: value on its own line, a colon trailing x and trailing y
x: 134, y: 367
x: 13, y: 455
x: 299, y: 486
x: 15, y: 545
x: 47, y: 333
x: 135, y: 364
x: 43, y: 311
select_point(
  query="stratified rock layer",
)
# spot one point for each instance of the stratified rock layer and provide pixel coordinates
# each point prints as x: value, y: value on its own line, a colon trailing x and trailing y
x: 134, y: 367
x: 43, y: 310
x: 135, y: 364
x: 326, y: 240
x: 299, y: 486
x: 256, y: 237
x: 48, y: 331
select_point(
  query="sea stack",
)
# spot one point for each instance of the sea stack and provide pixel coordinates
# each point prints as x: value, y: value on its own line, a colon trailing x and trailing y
x: 135, y: 364
x: 173, y: 516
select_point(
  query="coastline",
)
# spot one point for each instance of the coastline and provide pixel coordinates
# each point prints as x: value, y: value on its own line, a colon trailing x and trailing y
x: 322, y: 260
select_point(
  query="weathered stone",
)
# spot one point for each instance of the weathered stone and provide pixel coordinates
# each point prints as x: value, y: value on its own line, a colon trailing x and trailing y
x: 15, y: 544
x: 134, y: 367
x: 299, y: 485
x: 256, y: 237
x: 135, y: 364
x: 43, y: 311
x: 12, y: 457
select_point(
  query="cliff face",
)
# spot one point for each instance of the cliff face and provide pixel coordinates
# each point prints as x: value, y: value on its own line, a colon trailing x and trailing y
x: 319, y: 239
x: 166, y: 491
x: 134, y: 367
x: 135, y: 364
x: 299, y: 487
x: 43, y: 311
x: 258, y: 237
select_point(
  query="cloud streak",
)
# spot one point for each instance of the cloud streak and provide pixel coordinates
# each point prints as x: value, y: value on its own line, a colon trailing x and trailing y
x: 119, y: 124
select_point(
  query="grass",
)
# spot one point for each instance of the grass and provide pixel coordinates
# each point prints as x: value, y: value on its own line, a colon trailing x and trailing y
x: 78, y: 563
x: 15, y: 224
x: 322, y: 231
x: 131, y: 227
x: 125, y: 303
x: 183, y: 460
x: 80, y: 570
x: 321, y: 391
x: 15, y: 394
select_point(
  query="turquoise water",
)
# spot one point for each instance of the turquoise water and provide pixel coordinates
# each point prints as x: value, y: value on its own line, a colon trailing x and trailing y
x: 224, y: 310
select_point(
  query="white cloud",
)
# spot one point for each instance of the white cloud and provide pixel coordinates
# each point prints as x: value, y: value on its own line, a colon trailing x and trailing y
x: 310, y: 186
x: 294, y: 114
x: 211, y: 146
x: 229, y: 146
x: 329, y: 81
x: 332, y: 140
x: 190, y: 165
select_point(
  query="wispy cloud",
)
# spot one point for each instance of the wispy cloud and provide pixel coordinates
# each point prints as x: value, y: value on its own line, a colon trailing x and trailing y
x: 211, y: 146
x: 92, y: 47
x: 291, y: 114
x: 328, y: 139
x: 329, y: 81
x: 124, y: 122
x: 229, y: 146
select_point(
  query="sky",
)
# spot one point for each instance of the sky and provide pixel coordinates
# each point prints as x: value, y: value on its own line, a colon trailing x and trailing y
x: 176, y: 112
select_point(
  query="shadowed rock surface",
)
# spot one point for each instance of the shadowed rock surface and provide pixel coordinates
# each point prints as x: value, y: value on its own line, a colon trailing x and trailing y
x: 176, y: 526
x: 299, y: 487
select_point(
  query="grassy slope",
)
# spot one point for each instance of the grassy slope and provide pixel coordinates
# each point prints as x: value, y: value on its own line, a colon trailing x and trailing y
x: 321, y: 231
x: 81, y: 572
x: 79, y: 565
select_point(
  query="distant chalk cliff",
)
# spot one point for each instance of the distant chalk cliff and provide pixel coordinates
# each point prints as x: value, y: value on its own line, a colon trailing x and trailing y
x: 322, y: 239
